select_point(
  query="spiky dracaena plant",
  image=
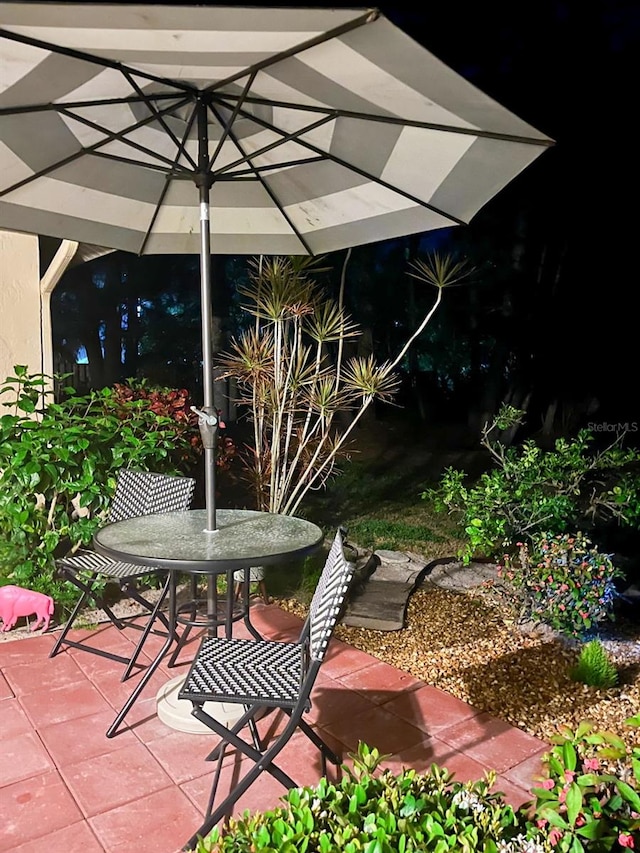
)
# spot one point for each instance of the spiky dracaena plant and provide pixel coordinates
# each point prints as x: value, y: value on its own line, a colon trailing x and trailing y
x: 292, y: 374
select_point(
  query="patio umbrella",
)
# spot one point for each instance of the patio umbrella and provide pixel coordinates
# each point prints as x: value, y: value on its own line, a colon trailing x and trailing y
x: 160, y: 129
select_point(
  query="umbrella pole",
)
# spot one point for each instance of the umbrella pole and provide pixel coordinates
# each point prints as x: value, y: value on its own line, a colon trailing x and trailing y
x: 208, y: 430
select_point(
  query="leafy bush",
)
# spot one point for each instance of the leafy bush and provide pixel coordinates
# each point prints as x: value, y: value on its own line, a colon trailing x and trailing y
x: 563, y: 582
x: 532, y: 491
x: 594, y: 666
x: 58, y: 467
x: 587, y: 801
x: 369, y: 811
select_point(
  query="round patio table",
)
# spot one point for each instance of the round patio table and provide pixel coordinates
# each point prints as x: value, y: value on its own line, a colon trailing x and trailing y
x: 179, y: 542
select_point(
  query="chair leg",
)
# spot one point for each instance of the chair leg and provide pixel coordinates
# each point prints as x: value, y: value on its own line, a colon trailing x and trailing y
x: 154, y: 613
x: 264, y: 761
x: 62, y: 638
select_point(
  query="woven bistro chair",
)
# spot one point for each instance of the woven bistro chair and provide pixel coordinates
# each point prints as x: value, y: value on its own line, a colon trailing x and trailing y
x: 263, y: 674
x: 137, y: 493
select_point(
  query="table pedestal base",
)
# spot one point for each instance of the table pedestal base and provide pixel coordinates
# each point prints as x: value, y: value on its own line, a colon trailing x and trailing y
x: 176, y: 713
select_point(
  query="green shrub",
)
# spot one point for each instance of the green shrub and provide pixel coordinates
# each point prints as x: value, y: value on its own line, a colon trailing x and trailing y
x: 563, y: 582
x: 375, y: 811
x: 587, y: 802
x: 594, y: 666
x: 58, y: 467
x: 530, y: 490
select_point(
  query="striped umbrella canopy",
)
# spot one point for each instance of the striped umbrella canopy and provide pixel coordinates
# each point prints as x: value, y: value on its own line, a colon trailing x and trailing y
x: 184, y: 129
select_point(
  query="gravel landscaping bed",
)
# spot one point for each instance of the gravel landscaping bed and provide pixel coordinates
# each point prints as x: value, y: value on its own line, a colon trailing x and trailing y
x: 470, y: 647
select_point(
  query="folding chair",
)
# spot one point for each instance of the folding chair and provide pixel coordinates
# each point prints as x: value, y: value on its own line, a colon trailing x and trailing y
x: 137, y: 493
x: 263, y: 674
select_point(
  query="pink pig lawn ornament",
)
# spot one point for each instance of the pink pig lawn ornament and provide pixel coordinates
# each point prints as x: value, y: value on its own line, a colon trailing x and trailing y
x: 16, y: 601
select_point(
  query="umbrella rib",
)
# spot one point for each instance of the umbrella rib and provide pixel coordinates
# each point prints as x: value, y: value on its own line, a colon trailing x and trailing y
x: 241, y: 174
x: 389, y: 119
x: 264, y: 184
x: 367, y: 17
x: 227, y: 125
x: 352, y: 168
x: 185, y: 88
x: 70, y: 105
x: 289, y: 137
x: 151, y: 106
x: 143, y: 149
x: 91, y: 149
x: 165, y: 189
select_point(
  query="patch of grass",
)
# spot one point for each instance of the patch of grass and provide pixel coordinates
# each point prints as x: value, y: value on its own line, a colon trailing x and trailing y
x: 390, y: 535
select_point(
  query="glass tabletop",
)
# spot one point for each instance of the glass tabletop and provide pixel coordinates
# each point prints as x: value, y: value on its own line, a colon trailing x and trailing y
x: 179, y: 540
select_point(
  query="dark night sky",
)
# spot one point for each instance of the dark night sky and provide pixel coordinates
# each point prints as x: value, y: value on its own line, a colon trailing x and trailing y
x: 570, y: 70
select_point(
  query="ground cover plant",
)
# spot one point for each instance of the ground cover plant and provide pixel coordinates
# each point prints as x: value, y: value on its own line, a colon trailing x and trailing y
x: 587, y: 802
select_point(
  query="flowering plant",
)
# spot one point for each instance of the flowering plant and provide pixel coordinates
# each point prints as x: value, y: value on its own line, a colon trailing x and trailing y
x: 174, y: 404
x: 589, y: 798
x: 564, y: 582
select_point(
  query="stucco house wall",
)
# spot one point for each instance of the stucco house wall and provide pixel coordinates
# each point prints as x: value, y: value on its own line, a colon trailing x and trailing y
x: 25, y: 294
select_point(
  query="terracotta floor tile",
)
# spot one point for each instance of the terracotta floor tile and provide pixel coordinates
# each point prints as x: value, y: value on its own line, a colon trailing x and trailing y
x: 302, y: 761
x: 160, y: 822
x: 79, y: 739
x: 5, y: 689
x: 44, y: 674
x: 430, y: 709
x: 117, y: 692
x: 331, y: 701
x: 23, y: 756
x: 513, y: 794
x: 273, y: 622
x: 143, y: 721
x: 527, y: 773
x: 183, y: 755
x: 102, y: 783
x: 342, y: 660
x: 379, y: 682
x: 13, y: 720
x: 375, y: 727
x: 430, y: 751
x: 34, y: 808
x: 26, y: 650
x: 77, y: 838
x: 493, y: 742
x: 264, y: 793
x: 145, y: 789
x: 66, y: 703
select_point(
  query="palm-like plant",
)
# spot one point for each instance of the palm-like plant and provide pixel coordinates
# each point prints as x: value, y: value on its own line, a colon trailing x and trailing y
x: 292, y: 374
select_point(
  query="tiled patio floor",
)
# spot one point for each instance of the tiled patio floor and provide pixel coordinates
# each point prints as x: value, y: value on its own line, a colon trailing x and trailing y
x: 66, y: 788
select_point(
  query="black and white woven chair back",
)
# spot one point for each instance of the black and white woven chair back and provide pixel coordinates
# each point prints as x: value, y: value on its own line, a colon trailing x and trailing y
x: 328, y: 599
x: 145, y: 493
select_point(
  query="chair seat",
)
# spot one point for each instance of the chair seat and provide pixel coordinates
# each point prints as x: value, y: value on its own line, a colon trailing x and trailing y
x: 249, y: 672
x: 90, y: 561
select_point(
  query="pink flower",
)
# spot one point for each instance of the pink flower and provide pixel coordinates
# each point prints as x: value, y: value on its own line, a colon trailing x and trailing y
x: 554, y: 836
x: 548, y: 784
x: 561, y: 607
x: 625, y: 840
x: 541, y: 823
x: 563, y: 587
x: 591, y: 764
x: 583, y: 614
x: 569, y: 775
